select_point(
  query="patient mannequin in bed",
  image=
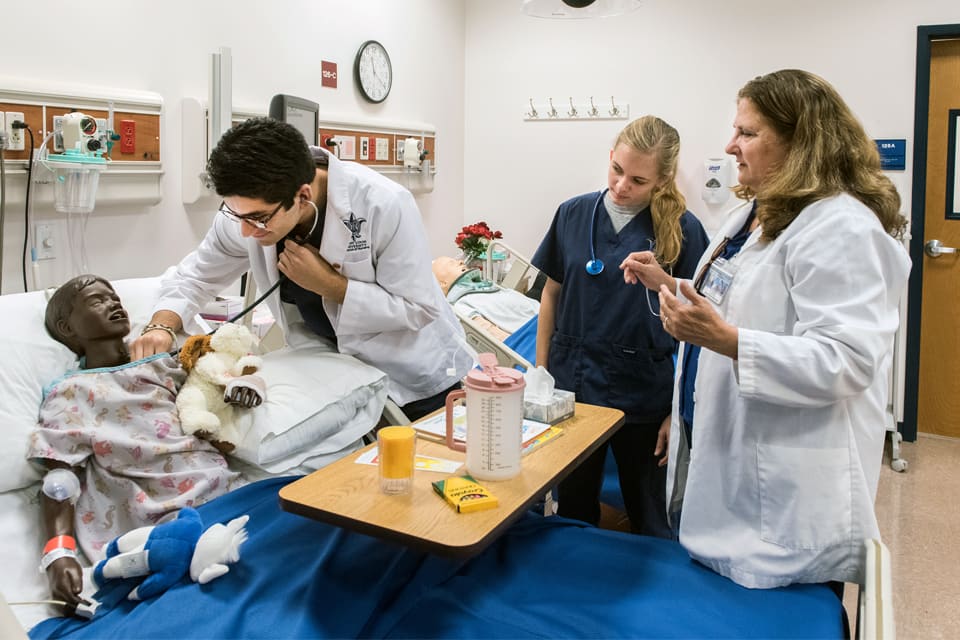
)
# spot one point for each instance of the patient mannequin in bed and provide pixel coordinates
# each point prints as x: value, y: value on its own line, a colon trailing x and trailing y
x: 499, y: 311
x: 113, y: 423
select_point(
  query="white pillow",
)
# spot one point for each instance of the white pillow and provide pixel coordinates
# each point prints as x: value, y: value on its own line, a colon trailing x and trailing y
x: 30, y: 360
x: 318, y: 402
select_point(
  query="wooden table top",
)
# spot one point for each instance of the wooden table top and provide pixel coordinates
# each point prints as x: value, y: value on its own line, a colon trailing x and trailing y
x: 348, y: 494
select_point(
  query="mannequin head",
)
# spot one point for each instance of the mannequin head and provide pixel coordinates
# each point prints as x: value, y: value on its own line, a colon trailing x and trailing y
x: 85, y: 314
x: 447, y: 270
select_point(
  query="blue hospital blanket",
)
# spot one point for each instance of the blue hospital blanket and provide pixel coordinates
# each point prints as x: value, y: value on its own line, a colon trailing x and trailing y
x: 544, y: 578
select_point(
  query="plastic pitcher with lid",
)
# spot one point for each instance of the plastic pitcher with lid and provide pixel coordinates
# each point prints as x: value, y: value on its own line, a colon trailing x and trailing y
x: 494, y: 400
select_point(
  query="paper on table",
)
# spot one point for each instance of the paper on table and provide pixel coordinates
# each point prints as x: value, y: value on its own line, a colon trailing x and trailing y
x: 421, y: 462
x: 437, y: 426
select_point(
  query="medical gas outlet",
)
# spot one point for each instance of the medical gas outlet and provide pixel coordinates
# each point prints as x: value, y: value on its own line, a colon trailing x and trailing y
x: 44, y: 245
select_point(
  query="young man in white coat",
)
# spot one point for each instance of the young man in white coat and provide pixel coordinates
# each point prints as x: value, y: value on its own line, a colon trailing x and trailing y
x: 349, y: 246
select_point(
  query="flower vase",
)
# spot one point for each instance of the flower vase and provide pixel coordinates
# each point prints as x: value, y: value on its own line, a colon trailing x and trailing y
x: 474, y: 261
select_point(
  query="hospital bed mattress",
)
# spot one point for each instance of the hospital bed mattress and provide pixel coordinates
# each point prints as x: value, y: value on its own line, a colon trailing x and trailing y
x: 545, y: 578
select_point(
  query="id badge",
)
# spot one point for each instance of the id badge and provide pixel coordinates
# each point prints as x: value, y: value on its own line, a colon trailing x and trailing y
x: 718, y: 280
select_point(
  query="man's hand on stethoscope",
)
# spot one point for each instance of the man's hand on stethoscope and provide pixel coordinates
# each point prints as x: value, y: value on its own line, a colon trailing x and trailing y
x: 696, y: 321
x: 642, y: 267
x: 304, y: 266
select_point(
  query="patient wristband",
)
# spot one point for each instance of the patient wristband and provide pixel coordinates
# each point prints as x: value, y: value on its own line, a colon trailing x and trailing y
x: 57, y: 547
x: 162, y: 327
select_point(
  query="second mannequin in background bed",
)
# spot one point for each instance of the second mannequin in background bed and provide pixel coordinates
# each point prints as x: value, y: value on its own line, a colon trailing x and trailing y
x: 351, y: 245
x: 598, y: 336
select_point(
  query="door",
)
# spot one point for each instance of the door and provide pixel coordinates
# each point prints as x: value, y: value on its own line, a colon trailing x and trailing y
x: 938, y: 402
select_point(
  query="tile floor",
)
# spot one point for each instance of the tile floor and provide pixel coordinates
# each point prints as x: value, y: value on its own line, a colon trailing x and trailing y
x: 919, y: 516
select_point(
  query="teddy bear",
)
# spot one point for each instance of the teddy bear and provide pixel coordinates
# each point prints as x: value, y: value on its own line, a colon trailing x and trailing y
x: 167, y: 552
x: 219, y: 366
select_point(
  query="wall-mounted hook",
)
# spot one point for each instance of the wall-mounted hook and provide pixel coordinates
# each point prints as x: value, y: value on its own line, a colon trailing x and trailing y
x: 615, y: 110
x: 533, y: 111
x: 593, y: 112
x: 573, y: 110
x: 553, y: 110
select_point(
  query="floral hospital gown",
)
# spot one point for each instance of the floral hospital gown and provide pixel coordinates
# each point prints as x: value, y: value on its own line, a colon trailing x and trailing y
x: 121, y: 425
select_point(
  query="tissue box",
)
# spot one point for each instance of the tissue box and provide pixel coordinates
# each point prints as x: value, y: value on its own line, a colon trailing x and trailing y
x: 559, y: 408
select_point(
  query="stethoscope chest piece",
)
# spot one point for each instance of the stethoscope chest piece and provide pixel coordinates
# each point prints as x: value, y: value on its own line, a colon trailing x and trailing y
x: 594, y: 266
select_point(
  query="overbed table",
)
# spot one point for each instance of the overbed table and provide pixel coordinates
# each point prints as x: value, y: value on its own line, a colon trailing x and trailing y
x: 347, y: 494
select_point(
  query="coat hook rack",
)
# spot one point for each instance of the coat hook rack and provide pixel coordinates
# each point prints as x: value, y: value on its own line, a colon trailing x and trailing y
x: 587, y: 109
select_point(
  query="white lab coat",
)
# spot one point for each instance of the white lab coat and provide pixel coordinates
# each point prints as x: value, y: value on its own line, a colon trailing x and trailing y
x: 394, y: 316
x: 788, y: 439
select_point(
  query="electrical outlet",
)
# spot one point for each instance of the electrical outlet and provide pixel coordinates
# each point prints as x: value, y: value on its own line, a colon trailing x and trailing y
x: 3, y: 131
x: 14, y: 136
x: 128, y: 136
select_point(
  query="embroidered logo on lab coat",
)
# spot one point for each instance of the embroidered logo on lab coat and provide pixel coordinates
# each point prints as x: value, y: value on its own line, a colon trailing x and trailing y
x: 354, y: 224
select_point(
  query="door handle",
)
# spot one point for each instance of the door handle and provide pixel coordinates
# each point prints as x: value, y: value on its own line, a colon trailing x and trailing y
x: 935, y: 249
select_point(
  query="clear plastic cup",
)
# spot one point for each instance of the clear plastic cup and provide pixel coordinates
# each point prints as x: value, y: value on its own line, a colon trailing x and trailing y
x: 396, y: 452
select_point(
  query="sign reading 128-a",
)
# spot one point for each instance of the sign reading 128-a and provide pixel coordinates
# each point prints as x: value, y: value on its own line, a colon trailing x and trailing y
x: 893, y: 154
x: 328, y: 74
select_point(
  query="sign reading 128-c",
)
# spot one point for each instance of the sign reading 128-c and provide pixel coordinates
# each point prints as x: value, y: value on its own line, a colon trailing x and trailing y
x: 328, y: 74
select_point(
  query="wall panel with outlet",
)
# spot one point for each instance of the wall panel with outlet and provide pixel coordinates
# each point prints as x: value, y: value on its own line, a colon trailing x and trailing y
x: 366, y: 141
x: 133, y: 174
x: 394, y: 153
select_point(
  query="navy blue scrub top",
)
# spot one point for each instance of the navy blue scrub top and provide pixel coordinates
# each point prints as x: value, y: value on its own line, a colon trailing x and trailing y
x: 606, y: 346
x: 308, y: 303
x: 691, y: 354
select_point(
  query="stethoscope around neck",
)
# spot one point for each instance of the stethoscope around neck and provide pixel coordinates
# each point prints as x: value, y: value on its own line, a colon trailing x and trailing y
x: 594, y: 265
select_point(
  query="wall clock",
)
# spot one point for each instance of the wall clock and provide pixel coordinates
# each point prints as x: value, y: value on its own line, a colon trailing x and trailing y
x: 373, y: 72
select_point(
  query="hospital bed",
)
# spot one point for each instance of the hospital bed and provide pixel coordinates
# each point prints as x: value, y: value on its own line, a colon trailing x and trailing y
x: 319, y: 405
x: 298, y: 578
x: 518, y: 275
x: 545, y: 577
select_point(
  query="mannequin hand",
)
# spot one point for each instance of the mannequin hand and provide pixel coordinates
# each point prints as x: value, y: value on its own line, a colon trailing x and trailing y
x: 696, y: 321
x: 66, y: 581
x: 663, y: 442
x: 304, y: 266
x: 150, y: 343
x: 642, y: 267
x: 246, y: 391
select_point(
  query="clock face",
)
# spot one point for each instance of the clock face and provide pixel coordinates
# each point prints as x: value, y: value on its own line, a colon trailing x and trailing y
x: 373, y: 71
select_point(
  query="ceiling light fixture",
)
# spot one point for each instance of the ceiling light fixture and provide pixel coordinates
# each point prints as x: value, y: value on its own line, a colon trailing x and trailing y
x: 567, y: 9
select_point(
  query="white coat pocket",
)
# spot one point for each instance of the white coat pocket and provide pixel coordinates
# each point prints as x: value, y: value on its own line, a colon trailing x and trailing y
x: 769, y: 299
x: 805, y: 498
x: 357, y: 266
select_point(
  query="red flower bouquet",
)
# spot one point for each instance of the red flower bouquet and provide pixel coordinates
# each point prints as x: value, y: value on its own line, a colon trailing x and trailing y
x: 474, y: 238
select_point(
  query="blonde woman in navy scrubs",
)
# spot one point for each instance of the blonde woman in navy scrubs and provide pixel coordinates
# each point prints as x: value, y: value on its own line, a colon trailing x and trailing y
x: 600, y: 337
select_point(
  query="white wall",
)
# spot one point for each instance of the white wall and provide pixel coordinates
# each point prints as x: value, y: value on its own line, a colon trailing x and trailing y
x: 683, y: 61
x: 468, y: 67
x: 276, y: 48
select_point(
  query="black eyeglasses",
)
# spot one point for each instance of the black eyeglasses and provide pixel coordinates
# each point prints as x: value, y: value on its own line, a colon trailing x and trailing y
x: 255, y: 220
x: 698, y: 283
